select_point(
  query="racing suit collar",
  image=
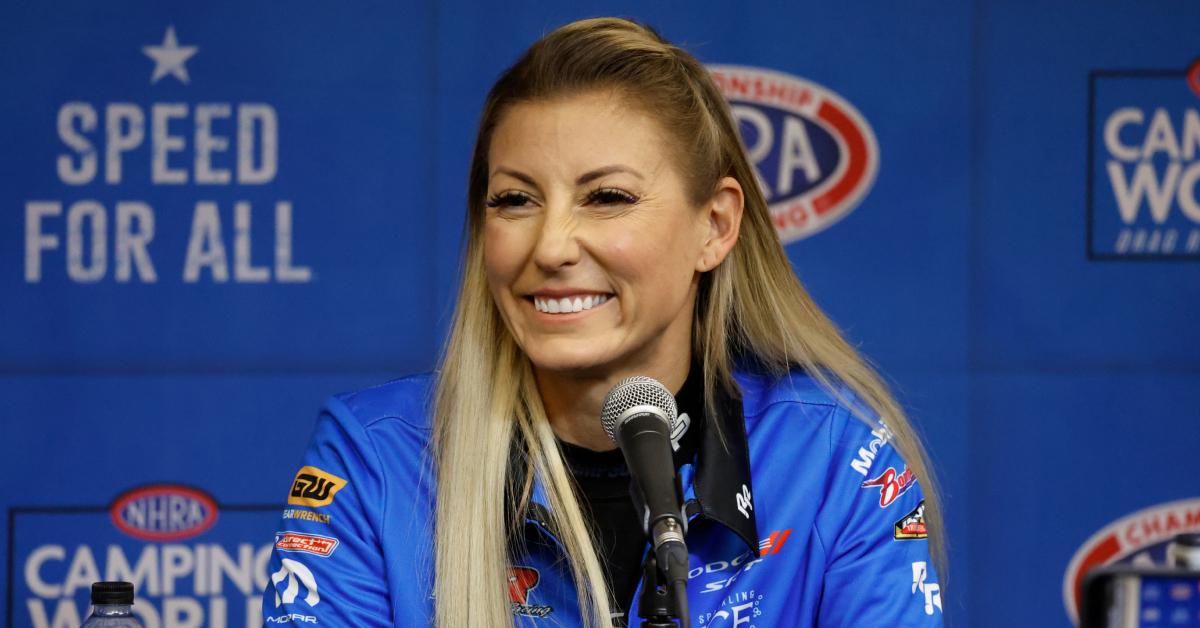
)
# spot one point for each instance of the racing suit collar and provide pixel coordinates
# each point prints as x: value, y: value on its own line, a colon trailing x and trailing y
x: 722, y: 484
x: 714, y: 464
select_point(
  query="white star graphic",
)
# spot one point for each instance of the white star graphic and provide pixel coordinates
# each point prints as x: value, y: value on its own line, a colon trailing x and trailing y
x: 170, y: 57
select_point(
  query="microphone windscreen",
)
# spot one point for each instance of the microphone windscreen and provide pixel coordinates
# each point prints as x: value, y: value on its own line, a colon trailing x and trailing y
x: 637, y: 393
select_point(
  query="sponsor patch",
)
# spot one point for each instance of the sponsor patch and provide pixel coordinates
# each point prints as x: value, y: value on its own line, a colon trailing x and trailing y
x: 891, y: 485
x: 740, y: 608
x: 932, y: 591
x: 522, y: 581
x: 310, y: 543
x: 292, y: 618
x: 866, y: 455
x: 297, y: 577
x: 912, y: 525
x: 301, y: 514
x: 1139, y: 539
x: 740, y: 564
x: 314, y: 487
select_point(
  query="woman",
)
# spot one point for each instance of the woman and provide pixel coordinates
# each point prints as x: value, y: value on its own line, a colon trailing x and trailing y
x: 615, y: 229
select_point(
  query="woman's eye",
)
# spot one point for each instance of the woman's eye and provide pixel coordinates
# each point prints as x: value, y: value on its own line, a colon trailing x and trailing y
x: 611, y: 196
x: 507, y: 199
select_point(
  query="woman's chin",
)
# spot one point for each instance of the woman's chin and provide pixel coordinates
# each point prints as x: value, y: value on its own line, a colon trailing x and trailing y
x: 580, y: 360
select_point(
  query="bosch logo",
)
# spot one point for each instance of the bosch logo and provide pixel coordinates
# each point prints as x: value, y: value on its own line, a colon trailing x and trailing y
x: 163, y: 512
x: 816, y: 156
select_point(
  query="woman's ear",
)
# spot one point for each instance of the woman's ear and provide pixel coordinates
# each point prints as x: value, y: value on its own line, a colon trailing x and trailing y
x: 724, y: 216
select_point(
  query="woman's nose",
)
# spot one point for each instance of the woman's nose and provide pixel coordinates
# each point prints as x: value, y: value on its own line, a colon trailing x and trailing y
x: 557, y: 244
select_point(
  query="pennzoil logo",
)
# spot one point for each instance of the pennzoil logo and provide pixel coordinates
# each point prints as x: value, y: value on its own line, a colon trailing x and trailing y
x: 912, y: 525
x: 314, y: 487
x: 163, y: 512
x: 815, y: 155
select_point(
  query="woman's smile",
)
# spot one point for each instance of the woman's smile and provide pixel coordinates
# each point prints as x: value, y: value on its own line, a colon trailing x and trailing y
x: 551, y: 309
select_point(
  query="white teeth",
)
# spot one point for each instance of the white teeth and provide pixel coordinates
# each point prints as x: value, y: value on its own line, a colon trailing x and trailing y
x: 568, y: 305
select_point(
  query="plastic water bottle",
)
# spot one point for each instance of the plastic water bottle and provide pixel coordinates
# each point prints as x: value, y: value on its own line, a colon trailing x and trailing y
x: 112, y: 606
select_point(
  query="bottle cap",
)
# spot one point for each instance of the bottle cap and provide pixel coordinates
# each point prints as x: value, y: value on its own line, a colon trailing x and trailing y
x: 112, y: 593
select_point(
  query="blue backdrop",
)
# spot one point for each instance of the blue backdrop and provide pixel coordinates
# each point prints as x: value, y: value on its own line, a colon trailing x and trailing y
x: 216, y: 216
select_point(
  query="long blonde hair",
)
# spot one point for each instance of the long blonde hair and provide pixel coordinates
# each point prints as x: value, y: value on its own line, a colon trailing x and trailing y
x: 751, y: 305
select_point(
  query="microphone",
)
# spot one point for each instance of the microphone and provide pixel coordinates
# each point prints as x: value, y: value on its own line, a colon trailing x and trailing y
x: 639, y: 414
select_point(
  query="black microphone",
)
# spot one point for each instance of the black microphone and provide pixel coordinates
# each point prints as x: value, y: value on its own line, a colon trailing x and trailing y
x: 638, y: 415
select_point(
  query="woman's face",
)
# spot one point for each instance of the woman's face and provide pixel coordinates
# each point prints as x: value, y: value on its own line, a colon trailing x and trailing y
x: 591, y: 245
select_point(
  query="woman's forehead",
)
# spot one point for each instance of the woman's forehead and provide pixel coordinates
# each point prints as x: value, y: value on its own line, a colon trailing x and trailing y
x: 568, y: 135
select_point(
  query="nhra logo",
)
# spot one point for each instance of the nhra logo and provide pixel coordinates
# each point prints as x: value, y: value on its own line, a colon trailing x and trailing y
x: 815, y: 155
x: 1144, y: 164
x: 1139, y: 539
x: 314, y: 487
x: 164, y: 512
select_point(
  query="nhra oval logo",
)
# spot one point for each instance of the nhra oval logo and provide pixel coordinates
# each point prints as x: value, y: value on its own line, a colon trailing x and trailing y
x: 1138, y: 539
x: 815, y: 155
x: 164, y: 512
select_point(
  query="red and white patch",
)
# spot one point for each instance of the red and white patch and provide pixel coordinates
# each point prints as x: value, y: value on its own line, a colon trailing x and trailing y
x: 1137, y: 538
x: 892, y: 485
x: 815, y: 154
x: 308, y: 543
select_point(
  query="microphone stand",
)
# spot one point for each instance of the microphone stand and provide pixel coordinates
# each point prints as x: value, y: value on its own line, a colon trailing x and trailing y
x: 658, y: 605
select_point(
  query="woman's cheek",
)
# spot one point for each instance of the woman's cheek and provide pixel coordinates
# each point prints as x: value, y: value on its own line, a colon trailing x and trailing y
x: 501, y: 252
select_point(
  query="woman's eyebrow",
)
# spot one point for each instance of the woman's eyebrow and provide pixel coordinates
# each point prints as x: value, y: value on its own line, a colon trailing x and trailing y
x: 516, y: 174
x: 606, y: 170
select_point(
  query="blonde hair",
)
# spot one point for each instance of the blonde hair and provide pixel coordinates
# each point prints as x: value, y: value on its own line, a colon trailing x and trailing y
x: 751, y: 306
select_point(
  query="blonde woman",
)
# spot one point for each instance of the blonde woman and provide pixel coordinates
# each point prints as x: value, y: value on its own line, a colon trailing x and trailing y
x: 615, y: 229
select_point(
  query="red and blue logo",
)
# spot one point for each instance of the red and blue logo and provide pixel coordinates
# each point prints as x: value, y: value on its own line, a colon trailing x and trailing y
x: 164, y: 512
x: 815, y: 154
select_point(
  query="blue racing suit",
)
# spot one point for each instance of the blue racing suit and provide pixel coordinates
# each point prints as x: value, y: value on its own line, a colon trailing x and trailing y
x: 799, y: 514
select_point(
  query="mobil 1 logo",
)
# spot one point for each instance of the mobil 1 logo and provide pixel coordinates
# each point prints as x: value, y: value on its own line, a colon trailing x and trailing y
x: 1143, y: 174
